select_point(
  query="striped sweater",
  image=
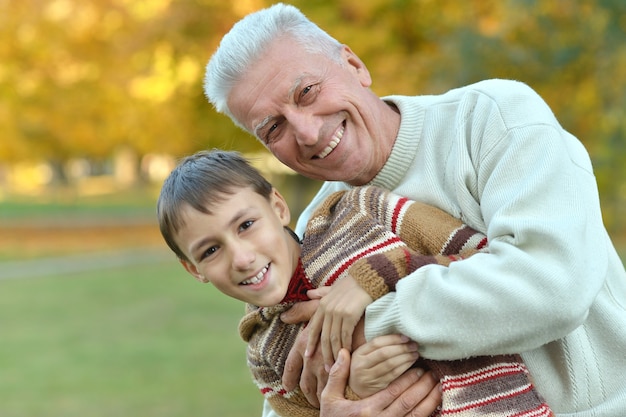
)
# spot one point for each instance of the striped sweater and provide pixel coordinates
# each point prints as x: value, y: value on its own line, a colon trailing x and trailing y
x: 378, y: 238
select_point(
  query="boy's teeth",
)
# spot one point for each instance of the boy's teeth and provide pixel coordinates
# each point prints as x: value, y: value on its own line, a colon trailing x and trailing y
x: 332, y: 145
x: 255, y: 279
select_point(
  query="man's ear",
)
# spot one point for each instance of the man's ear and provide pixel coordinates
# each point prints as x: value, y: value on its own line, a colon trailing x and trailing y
x: 358, y: 66
x: 191, y: 268
x: 280, y: 207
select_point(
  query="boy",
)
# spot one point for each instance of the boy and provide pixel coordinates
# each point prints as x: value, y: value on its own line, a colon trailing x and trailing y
x: 229, y: 226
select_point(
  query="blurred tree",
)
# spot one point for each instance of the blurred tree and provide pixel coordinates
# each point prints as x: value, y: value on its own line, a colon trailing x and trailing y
x: 85, y: 78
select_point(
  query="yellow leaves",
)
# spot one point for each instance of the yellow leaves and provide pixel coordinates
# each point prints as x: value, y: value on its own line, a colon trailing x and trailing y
x: 145, y: 9
x: 58, y: 10
x: 244, y: 7
x: 77, y: 18
x: 165, y: 76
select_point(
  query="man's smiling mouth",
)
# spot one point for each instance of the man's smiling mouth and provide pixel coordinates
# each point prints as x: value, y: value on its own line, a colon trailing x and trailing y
x: 258, y: 278
x: 333, y: 143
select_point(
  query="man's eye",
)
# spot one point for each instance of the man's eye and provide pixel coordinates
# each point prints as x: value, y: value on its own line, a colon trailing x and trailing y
x: 308, y: 94
x: 273, y: 132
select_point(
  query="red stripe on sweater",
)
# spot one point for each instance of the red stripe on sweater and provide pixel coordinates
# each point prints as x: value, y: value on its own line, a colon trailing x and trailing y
x: 542, y: 411
x: 267, y: 390
x: 484, y: 375
x: 482, y: 243
x: 486, y: 402
x: 396, y: 214
x: 358, y: 256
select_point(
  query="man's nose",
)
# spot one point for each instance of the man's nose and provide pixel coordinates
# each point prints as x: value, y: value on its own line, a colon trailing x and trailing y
x: 305, y: 128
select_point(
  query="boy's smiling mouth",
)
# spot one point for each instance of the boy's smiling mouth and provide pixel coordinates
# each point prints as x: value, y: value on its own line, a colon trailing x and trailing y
x: 258, y: 278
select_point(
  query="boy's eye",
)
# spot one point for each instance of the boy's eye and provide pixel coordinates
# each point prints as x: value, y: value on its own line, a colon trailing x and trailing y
x: 245, y: 225
x: 210, y: 251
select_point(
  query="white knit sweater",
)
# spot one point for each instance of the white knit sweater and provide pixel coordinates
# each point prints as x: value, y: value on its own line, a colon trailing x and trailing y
x: 553, y: 286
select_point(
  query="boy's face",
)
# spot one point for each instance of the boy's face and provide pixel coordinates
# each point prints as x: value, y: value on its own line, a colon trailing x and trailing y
x: 242, y: 248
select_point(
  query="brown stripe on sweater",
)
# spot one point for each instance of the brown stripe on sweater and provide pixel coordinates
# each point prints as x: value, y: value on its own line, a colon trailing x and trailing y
x: 458, y: 240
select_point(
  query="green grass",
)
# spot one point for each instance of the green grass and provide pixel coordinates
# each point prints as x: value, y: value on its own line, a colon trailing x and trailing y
x: 138, y: 341
x: 136, y: 202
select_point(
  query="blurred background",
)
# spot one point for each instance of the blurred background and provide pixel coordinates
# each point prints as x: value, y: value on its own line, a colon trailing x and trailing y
x: 100, y: 98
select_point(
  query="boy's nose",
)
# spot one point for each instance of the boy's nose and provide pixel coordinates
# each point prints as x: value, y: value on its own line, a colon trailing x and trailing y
x: 243, y: 258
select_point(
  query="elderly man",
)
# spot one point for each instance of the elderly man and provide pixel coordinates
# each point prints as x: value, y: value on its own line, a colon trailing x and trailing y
x: 491, y: 154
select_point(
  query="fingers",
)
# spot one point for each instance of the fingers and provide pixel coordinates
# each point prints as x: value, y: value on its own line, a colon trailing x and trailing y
x: 313, y: 379
x: 421, y: 398
x: 310, y: 387
x: 300, y: 312
x: 377, y: 363
x: 314, y: 376
x: 428, y: 405
x: 295, y: 362
x: 318, y: 293
x: 337, y: 380
x: 326, y: 342
x: 347, y: 329
x: 413, y: 394
x: 393, y: 367
x: 314, y: 328
x: 391, y: 359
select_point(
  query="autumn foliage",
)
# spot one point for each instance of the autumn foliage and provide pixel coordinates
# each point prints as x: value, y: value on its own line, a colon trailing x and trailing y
x: 84, y: 78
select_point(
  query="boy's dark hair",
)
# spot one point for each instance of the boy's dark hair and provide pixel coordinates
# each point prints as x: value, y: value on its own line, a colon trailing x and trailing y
x: 201, y: 181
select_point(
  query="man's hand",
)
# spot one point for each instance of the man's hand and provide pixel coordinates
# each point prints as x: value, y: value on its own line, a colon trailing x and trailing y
x: 412, y: 395
x: 308, y: 372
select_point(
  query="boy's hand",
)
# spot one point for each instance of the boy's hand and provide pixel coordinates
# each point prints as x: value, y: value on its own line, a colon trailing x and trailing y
x: 336, y: 317
x: 377, y: 363
x: 301, y: 312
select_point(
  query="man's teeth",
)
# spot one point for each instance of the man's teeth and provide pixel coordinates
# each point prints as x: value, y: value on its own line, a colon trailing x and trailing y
x: 332, y: 145
x: 257, y: 278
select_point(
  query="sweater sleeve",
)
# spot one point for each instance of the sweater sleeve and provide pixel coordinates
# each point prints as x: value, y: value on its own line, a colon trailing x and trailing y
x: 515, y: 174
x: 428, y: 236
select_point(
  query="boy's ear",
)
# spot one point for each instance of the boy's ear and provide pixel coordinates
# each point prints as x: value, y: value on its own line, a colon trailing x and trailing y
x: 191, y: 268
x: 280, y: 207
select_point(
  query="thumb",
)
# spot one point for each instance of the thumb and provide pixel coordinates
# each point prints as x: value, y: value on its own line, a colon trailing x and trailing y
x: 337, y: 377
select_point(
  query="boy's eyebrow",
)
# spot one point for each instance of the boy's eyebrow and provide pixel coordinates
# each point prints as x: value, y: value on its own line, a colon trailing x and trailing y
x: 269, y: 118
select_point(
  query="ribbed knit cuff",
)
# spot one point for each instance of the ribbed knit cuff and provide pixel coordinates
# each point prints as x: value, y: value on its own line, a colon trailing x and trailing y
x: 382, y: 317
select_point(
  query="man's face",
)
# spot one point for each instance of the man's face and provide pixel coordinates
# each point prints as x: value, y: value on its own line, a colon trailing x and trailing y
x: 316, y: 115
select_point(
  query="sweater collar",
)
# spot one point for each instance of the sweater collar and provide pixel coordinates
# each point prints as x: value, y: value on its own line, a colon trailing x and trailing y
x: 298, y: 286
x: 405, y: 147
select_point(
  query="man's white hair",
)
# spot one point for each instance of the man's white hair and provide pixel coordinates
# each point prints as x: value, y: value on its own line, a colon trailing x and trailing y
x: 243, y: 45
